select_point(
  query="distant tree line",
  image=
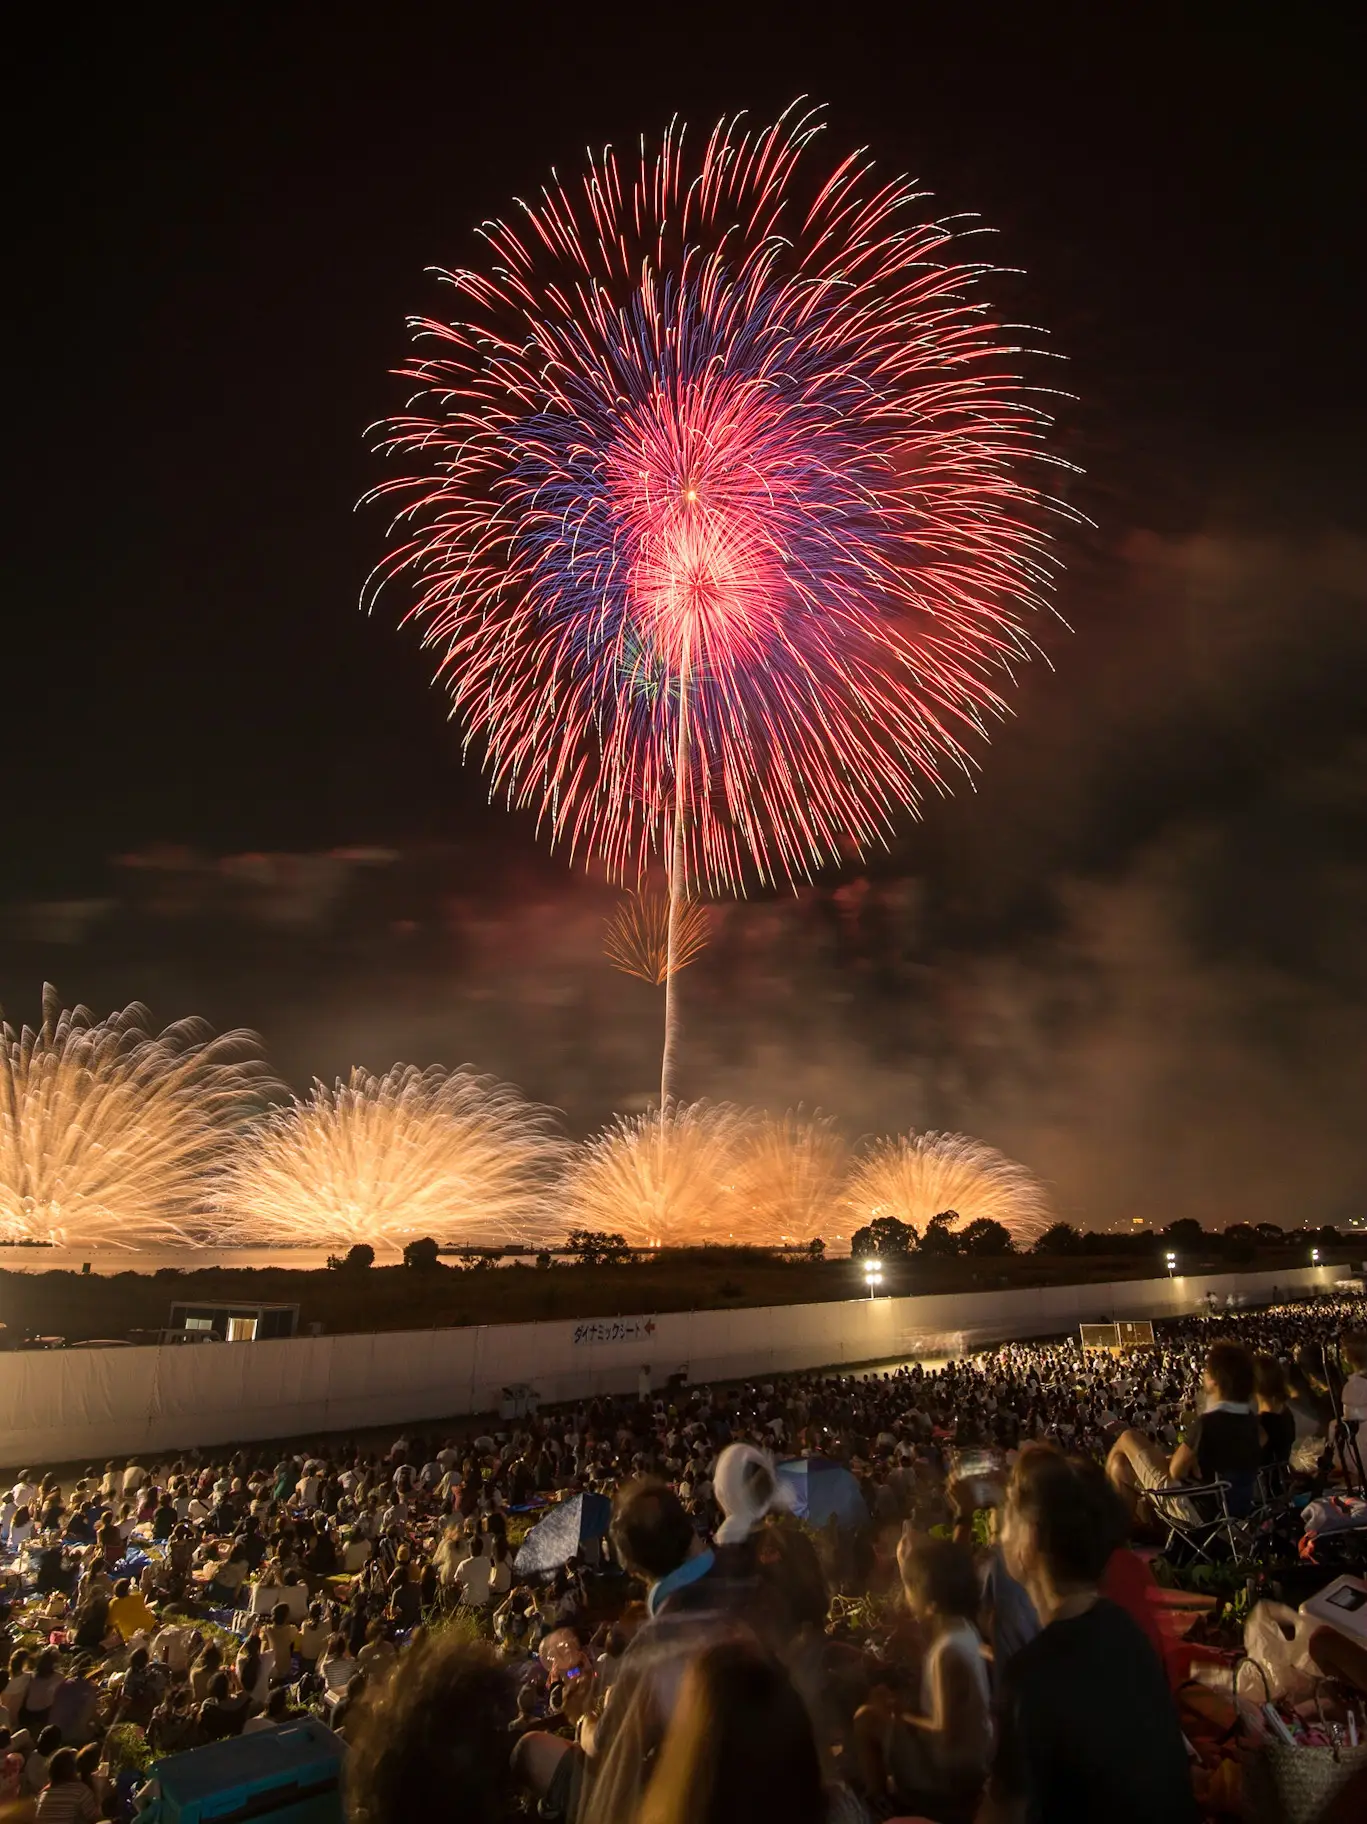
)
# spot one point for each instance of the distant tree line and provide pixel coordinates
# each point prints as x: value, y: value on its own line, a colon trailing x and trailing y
x: 1237, y: 1245
x: 888, y: 1236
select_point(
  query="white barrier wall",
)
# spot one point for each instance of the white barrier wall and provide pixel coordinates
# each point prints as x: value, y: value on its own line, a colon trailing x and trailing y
x: 61, y: 1405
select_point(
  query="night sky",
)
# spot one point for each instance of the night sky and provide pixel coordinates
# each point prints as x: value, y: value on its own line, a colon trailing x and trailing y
x: 1133, y: 957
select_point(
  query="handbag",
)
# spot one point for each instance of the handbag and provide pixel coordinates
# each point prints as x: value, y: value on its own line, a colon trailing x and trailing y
x: 1285, y: 1785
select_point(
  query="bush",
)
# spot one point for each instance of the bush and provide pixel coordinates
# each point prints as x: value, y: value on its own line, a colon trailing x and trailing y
x: 357, y: 1257
x: 421, y: 1254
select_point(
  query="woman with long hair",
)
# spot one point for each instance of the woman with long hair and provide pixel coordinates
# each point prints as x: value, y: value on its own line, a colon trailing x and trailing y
x: 1276, y: 1421
x: 739, y: 1742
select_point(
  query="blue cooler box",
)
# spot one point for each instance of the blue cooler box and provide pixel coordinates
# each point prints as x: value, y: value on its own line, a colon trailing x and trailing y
x: 291, y: 1775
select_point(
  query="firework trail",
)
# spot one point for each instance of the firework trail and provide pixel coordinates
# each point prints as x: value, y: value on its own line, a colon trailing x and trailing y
x: 384, y: 1160
x: 716, y: 507
x: 665, y: 1180
x: 916, y: 1176
x: 637, y: 936
x: 793, y: 1169
x: 109, y: 1132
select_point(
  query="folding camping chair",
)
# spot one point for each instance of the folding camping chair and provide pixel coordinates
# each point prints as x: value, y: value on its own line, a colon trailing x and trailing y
x: 1198, y: 1514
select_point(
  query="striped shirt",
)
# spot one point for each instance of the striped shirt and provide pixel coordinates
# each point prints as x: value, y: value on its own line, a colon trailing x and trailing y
x: 70, y: 1803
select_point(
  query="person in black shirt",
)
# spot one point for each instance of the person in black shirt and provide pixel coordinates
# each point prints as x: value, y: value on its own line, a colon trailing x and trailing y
x: 1225, y: 1443
x: 1275, y: 1419
x: 1086, y: 1726
x: 222, y: 1715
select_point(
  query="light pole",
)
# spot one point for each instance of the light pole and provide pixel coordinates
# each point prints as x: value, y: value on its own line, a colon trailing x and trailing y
x: 873, y: 1274
x: 1314, y: 1257
x: 1171, y: 1260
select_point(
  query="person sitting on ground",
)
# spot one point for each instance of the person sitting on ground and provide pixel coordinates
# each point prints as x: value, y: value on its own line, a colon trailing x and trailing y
x: 75, y: 1702
x: 129, y: 1613
x: 346, y: 1716
x: 378, y: 1656
x: 174, y: 1726
x: 934, y: 1759
x: 35, y: 1711
x: 276, y: 1713
x: 140, y: 1688
x: 1086, y: 1726
x: 474, y: 1575
x: 205, y: 1669
x: 16, y: 1688
x: 313, y: 1637
x: 92, y: 1770
x: 66, y: 1799
x: 404, y: 1590
x: 37, y: 1767
x: 221, y: 1714
x: 528, y: 1715
x: 336, y: 1663
x: 11, y: 1770
x: 282, y: 1637
x: 225, y: 1585
x: 253, y: 1671
x: 1223, y: 1444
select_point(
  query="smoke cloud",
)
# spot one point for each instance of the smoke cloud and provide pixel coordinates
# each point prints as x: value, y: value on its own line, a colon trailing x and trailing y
x: 1130, y: 958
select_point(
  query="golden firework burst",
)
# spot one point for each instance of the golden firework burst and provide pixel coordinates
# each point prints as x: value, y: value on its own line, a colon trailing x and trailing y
x: 661, y: 1180
x: 110, y: 1132
x: 636, y: 937
x: 384, y: 1160
x: 917, y: 1176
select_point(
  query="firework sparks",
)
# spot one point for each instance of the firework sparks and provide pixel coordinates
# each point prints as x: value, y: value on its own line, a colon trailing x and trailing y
x: 666, y: 1180
x: 109, y: 1132
x: 383, y: 1160
x: 793, y: 1170
x: 636, y: 938
x: 916, y: 1176
x: 717, y: 506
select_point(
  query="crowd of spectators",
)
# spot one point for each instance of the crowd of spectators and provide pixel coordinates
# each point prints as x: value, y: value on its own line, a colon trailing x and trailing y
x: 979, y: 1648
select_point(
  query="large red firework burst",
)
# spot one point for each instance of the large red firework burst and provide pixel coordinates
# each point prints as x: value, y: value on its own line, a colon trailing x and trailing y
x: 718, y: 504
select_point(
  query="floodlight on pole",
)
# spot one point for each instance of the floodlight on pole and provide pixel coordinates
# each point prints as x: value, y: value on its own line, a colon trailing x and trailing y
x: 873, y: 1274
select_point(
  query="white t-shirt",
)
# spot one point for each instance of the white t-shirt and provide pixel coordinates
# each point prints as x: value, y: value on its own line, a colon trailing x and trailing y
x: 963, y: 1642
x: 264, y: 1597
x: 474, y: 1577
x: 1355, y: 1397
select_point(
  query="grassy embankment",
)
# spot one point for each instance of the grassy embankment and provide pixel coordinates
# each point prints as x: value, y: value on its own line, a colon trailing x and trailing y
x: 398, y: 1298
